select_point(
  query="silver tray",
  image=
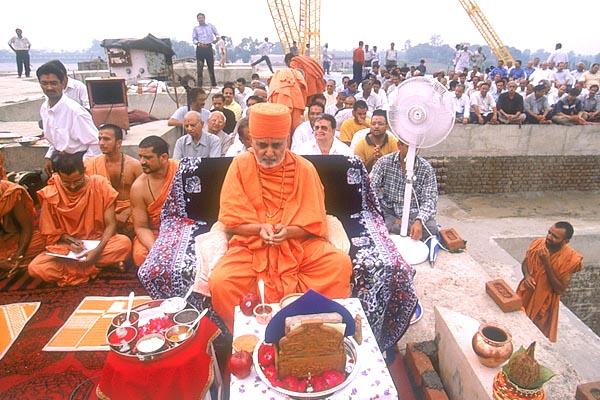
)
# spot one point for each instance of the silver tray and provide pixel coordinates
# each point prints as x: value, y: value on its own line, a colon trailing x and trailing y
x: 352, y: 369
x: 169, y: 348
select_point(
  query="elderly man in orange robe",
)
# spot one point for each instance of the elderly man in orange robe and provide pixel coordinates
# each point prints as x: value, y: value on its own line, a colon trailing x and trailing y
x: 120, y: 169
x: 149, y: 192
x: 272, y: 203
x: 20, y: 241
x: 77, y: 207
x: 547, y: 269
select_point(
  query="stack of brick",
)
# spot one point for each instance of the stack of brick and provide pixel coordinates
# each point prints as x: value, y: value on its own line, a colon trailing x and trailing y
x: 422, y: 362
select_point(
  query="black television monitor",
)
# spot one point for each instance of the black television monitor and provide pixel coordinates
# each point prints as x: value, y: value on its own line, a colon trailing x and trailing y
x: 108, y: 92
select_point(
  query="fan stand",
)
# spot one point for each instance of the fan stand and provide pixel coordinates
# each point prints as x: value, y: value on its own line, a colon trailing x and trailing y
x: 412, y: 251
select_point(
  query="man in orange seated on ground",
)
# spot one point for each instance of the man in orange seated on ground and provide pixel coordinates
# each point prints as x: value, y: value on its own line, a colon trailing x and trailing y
x: 547, y: 269
x: 120, y: 169
x: 273, y: 203
x: 20, y: 241
x: 149, y: 192
x: 77, y: 207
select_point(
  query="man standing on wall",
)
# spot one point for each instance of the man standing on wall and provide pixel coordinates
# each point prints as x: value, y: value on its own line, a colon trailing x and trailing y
x: 204, y: 36
x: 20, y: 45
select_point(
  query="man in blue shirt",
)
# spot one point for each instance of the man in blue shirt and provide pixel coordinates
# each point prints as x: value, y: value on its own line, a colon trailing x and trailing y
x: 529, y: 69
x: 517, y: 72
x: 499, y: 70
x: 203, y: 37
x: 569, y: 111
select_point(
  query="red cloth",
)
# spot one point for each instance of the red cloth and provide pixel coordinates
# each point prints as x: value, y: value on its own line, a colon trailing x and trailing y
x: 185, y: 374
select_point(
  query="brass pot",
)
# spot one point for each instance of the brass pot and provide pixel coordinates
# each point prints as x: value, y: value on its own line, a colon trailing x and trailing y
x: 492, y: 344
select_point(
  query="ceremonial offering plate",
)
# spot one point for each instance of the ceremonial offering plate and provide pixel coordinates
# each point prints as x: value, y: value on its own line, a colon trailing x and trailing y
x: 352, y: 368
x: 153, y: 325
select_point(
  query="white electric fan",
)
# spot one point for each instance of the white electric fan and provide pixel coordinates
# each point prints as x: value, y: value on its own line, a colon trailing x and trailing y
x: 421, y: 115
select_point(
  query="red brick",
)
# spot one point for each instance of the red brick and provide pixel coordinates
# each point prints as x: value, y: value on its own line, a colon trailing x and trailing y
x: 418, y: 363
x: 588, y: 391
x: 434, y: 394
x: 503, y: 295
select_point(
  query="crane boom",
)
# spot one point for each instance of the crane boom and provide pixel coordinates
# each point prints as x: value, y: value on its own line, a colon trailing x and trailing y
x: 487, y: 31
x: 285, y: 23
x: 306, y: 31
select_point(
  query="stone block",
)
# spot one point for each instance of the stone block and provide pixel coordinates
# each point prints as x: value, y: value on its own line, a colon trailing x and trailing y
x: 588, y: 391
x: 503, y: 295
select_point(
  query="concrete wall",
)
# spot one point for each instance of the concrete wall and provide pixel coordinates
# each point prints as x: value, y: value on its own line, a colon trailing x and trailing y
x: 496, y: 159
x: 21, y: 111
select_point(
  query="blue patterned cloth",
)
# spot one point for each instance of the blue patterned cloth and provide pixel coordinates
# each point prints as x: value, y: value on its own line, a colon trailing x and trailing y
x: 381, y: 279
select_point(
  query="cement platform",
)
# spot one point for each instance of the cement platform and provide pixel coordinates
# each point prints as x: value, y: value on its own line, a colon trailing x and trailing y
x: 20, y: 158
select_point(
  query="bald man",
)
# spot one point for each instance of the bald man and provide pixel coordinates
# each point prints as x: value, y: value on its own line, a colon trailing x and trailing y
x: 216, y: 123
x: 196, y: 142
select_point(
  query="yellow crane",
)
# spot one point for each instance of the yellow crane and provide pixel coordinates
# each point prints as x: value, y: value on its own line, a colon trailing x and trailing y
x: 306, y: 31
x: 487, y: 31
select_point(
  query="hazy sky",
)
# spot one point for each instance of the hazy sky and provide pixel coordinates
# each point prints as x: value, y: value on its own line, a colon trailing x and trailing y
x: 71, y: 25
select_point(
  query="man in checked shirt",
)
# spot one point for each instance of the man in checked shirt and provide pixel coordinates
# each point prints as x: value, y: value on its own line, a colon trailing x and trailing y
x: 388, y: 182
x: 204, y: 36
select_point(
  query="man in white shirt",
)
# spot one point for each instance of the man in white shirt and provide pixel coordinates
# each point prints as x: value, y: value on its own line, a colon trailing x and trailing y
x: 382, y: 95
x: 196, y: 101
x: 558, y: 56
x: 329, y: 93
x: 264, y: 49
x: 556, y: 93
x: 75, y: 90
x: 391, y: 57
x: 20, y: 45
x: 304, y: 131
x: 562, y: 76
x: 326, y: 58
x: 221, y: 48
x: 483, y: 106
x: 338, y: 105
x: 578, y: 72
x: 67, y: 125
x: 462, y: 105
x: 324, y: 141
x: 373, y: 101
x: 243, y: 92
x: 540, y: 74
x: 462, y: 58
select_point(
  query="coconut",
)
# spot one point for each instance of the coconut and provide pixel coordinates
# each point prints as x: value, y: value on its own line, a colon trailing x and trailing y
x: 523, y: 369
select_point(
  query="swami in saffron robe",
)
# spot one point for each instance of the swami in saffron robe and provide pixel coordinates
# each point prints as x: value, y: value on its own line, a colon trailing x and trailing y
x: 288, y: 87
x: 249, y: 192
x: 11, y: 194
x: 542, y: 303
x: 154, y: 209
x: 97, y: 166
x: 81, y: 215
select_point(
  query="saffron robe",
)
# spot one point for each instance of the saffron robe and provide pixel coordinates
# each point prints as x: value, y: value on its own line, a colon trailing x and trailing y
x: 97, y: 166
x: 11, y: 194
x: 249, y: 193
x: 288, y: 87
x: 313, y: 74
x: 154, y: 209
x: 542, y: 303
x: 81, y: 215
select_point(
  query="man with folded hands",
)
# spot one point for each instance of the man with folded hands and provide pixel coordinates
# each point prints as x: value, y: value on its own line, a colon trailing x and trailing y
x: 272, y: 203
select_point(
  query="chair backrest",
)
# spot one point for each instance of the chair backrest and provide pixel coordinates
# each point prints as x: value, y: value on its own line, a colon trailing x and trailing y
x: 342, y: 195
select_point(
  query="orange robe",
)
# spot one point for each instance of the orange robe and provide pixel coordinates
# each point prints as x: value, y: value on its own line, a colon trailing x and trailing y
x: 541, y: 304
x: 295, y: 265
x: 288, y: 87
x: 10, y: 194
x: 97, y: 166
x: 313, y: 74
x: 81, y: 215
x: 154, y: 209
x: 2, y: 168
